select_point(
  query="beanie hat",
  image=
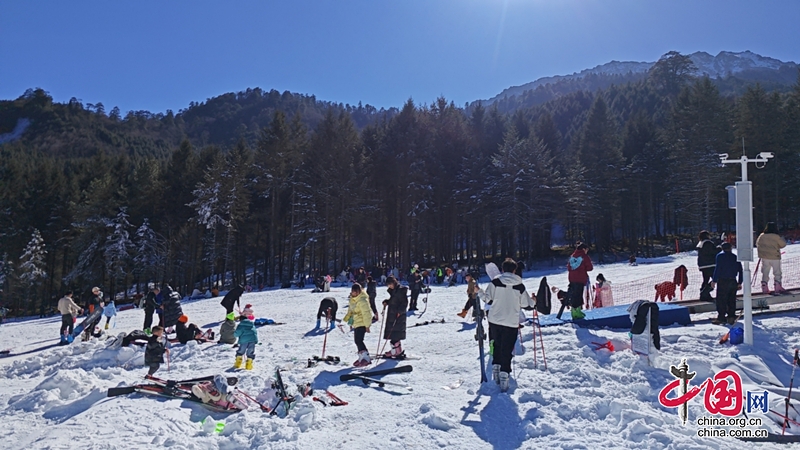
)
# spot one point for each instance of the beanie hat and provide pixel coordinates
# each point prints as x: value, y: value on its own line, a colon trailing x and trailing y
x: 183, y: 319
x: 230, y: 316
x: 248, y: 311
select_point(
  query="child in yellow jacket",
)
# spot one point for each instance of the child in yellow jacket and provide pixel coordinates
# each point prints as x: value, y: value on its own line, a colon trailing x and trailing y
x: 359, y: 317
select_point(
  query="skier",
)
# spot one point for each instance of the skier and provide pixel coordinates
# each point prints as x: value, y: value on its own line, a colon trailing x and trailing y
x: 396, y: 313
x: 69, y: 310
x: 232, y: 297
x: 602, y: 292
x: 324, y: 305
x: 725, y: 275
x: 154, y: 352
x: 248, y: 338
x: 150, y: 306
x: 706, y: 257
x: 359, y: 317
x: 769, y: 245
x: 172, y: 307
x: 579, y: 266
x: 505, y: 296
x: 109, y: 311
x: 544, y: 297
x: 416, y: 286
x: 372, y: 292
x: 226, y: 330
x: 472, y: 290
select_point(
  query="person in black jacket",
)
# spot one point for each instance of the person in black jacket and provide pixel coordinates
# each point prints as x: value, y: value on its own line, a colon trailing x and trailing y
x: 372, y: 292
x: 327, y: 303
x: 232, y: 297
x: 728, y: 277
x: 187, y: 331
x: 154, y: 352
x: 172, y: 307
x: 395, y: 317
x: 706, y: 257
x: 150, y: 306
x: 415, y: 283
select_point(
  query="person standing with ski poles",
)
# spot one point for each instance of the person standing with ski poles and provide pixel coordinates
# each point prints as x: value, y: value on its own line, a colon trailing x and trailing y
x: 396, y: 313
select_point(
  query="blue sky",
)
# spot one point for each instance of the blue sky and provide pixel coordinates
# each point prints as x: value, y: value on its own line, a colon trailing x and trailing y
x: 159, y: 55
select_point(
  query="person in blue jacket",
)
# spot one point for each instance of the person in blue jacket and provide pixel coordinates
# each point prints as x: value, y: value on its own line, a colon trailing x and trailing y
x: 248, y: 338
x: 727, y: 279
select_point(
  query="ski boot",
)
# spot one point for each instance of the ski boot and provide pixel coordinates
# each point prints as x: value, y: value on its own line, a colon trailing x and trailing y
x: 316, y: 327
x: 765, y: 288
x: 238, y: 363
x: 106, y: 326
x: 503, y: 381
x: 249, y: 364
x: 148, y: 332
x: 63, y: 340
x: 577, y: 314
x: 363, y: 359
x: 463, y: 313
x: 496, y: 373
x: 70, y: 338
x: 395, y: 352
x: 779, y: 288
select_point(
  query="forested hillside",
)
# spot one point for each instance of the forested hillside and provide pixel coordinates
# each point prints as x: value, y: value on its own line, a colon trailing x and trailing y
x: 282, y: 183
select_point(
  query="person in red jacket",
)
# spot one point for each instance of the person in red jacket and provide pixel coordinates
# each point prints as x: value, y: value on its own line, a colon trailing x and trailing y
x: 579, y: 266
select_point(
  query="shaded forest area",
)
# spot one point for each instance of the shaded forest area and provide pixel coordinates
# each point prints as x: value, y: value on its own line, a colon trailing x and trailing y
x: 278, y: 184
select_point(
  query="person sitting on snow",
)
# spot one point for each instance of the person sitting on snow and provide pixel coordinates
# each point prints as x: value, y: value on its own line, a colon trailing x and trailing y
x: 188, y: 331
x: 227, y: 329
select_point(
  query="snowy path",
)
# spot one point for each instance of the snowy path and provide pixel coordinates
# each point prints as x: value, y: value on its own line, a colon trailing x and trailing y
x: 55, y: 398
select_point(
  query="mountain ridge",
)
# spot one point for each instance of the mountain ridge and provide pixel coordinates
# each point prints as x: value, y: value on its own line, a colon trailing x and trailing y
x: 725, y: 63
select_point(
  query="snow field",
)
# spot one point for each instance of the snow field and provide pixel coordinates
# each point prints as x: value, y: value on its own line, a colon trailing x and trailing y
x: 56, y: 397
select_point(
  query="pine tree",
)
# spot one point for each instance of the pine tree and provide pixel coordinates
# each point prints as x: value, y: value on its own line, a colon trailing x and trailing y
x: 117, y: 251
x: 32, y: 266
x: 148, y: 252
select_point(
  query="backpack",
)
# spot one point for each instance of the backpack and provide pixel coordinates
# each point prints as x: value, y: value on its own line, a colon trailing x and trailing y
x: 736, y: 335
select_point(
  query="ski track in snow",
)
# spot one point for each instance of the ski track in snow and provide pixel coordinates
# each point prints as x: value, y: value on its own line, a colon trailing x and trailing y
x: 55, y: 397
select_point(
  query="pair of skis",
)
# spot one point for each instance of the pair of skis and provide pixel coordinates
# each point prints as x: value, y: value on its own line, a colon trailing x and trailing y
x: 178, y: 389
x: 368, y: 379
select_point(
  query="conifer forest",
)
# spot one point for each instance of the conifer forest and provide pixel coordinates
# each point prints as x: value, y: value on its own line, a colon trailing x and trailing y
x: 259, y: 186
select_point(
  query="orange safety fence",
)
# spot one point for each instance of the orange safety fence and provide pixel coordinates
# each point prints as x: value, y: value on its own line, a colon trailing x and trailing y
x: 645, y: 288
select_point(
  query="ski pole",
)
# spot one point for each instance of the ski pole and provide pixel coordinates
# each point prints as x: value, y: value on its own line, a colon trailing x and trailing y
x: 391, y: 330
x: 380, y: 333
x: 755, y: 272
x: 263, y: 407
x: 791, y: 383
x: 327, y: 327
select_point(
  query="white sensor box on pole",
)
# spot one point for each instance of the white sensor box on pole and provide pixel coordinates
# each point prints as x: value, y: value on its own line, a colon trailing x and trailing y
x: 744, y: 220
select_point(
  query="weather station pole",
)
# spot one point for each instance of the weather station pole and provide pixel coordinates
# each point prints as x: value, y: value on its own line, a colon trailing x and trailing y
x: 743, y: 203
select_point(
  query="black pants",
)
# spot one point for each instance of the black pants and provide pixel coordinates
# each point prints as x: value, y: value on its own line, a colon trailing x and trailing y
x: 505, y: 338
x: 469, y: 304
x: 705, y: 289
x: 148, y: 318
x: 414, y: 297
x: 575, y: 295
x: 358, y: 336
x: 66, y: 323
x: 153, y: 368
x: 726, y: 298
x: 323, y: 309
x: 372, y: 303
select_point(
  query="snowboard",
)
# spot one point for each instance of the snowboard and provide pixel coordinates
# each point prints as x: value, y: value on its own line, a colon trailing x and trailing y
x: 480, y: 335
x: 492, y: 270
x: 89, y: 320
x: 375, y: 373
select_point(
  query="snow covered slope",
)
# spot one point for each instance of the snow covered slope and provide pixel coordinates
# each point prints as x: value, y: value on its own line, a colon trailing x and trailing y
x: 55, y: 397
